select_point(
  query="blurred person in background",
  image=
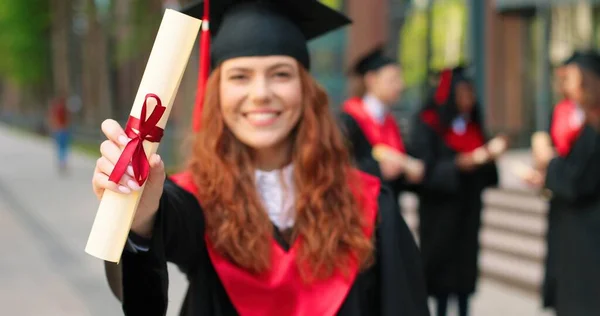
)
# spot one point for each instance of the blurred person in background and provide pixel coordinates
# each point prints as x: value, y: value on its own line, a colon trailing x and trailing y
x: 269, y: 217
x: 565, y: 126
x: 372, y: 133
x: 58, y: 121
x: 459, y: 165
x: 571, y: 174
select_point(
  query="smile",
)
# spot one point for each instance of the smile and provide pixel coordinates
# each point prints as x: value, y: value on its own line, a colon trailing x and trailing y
x: 262, y: 118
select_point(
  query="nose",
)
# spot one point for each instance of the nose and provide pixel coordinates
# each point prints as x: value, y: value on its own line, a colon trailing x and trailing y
x: 260, y: 92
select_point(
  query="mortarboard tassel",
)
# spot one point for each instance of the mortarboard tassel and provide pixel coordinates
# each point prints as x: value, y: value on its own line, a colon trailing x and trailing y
x: 203, y: 69
x: 443, y: 90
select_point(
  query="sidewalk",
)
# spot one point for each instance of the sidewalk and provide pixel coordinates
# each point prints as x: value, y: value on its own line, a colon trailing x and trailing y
x: 44, y: 224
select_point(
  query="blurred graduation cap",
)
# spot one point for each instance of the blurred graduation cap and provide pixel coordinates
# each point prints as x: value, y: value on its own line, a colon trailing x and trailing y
x: 570, y: 59
x: 247, y: 28
x: 447, y: 78
x: 588, y: 60
x: 372, y: 61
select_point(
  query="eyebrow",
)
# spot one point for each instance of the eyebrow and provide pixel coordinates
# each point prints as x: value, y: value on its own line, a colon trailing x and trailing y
x: 278, y: 65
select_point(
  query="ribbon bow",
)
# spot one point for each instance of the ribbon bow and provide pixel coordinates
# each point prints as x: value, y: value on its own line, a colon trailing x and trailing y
x: 139, y: 130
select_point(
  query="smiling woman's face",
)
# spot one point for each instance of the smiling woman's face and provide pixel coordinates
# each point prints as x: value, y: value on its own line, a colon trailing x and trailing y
x: 261, y: 99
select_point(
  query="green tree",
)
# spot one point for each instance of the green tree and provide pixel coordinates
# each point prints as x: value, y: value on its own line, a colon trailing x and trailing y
x: 25, y: 41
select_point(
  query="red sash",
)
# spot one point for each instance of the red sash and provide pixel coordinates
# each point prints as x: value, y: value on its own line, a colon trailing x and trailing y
x: 564, y: 130
x: 281, y: 290
x: 466, y: 142
x: 386, y: 134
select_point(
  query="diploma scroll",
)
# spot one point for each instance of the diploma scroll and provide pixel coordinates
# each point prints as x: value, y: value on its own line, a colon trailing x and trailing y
x: 541, y: 139
x: 167, y: 62
x: 380, y: 152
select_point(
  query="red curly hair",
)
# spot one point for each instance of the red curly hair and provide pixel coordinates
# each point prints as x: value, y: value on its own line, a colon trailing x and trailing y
x: 329, y: 221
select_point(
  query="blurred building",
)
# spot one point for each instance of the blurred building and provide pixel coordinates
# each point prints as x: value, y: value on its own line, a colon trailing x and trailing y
x: 513, y: 46
x: 525, y: 40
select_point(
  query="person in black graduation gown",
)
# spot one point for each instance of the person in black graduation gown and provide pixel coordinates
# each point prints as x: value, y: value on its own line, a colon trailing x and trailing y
x: 573, y: 178
x: 565, y: 126
x: 449, y: 138
x: 269, y: 218
x: 367, y: 123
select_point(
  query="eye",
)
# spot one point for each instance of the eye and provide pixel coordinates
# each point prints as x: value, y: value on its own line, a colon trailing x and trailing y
x: 283, y: 74
x: 238, y: 77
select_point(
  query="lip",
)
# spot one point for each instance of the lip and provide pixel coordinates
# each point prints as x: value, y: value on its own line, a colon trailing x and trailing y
x: 261, y: 118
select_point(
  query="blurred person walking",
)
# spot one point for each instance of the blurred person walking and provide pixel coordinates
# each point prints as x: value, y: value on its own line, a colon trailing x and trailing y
x: 58, y: 121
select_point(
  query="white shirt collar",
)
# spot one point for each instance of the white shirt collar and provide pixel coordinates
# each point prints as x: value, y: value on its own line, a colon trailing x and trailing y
x: 376, y: 109
x: 277, y: 193
x: 459, y: 124
x: 578, y: 117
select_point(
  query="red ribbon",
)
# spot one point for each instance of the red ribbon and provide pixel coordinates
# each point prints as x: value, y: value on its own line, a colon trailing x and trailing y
x: 443, y: 90
x: 139, y: 130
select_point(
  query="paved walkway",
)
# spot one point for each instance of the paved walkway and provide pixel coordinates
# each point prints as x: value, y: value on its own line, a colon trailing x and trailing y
x: 45, y: 220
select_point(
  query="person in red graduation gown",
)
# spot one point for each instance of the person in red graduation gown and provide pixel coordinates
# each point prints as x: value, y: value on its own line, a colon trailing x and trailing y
x: 565, y: 127
x: 572, y: 176
x: 367, y: 122
x: 449, y: 138
x: 269, y: 218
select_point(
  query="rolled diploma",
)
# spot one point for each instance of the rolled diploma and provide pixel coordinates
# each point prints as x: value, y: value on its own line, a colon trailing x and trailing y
x: 162, y: 76
x: 379, y: 152
x: 541, y: 139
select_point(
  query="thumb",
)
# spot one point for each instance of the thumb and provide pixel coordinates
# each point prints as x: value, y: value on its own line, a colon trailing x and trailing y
x: 157, y: 169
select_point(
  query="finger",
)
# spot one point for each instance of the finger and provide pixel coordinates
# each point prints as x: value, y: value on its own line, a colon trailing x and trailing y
x: 110, y: 151
x: 157, y: 167
x: 101, y: 182
x: 114, y: 132
x: 106, y: 167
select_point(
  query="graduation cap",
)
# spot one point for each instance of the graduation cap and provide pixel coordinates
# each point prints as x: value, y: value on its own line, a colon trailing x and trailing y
x: 372, y: 61
x: 245, y: 28
x: 448, y: 78
x: 570, y: 59
x: 586, y: 60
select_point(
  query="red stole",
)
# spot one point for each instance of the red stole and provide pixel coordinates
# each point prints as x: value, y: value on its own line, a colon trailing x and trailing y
x: 281, y: 290
x: 467, y: 142
x: 386, y: 134
x: 563, y: 130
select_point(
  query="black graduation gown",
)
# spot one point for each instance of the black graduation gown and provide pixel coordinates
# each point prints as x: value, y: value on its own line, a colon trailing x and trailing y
x: 450, y: 207
x: 361, y: 151
x: 574, y: 181
x: 394, y: 285
x: 549, y: 282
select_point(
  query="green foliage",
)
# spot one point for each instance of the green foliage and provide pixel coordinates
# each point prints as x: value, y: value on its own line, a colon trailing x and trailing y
x: 447, y: 39
x: 413, y: 48
x: 24, y: 41
x: 143, y: 23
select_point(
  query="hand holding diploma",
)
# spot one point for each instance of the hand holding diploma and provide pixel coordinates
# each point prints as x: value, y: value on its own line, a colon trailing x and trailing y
x: 542, y: 150
x: 530, y: 176
x: 484, y: 154
x: 497, y: 146
x: 138, y: 187
x: 414, y: 169
x: 111, y: 151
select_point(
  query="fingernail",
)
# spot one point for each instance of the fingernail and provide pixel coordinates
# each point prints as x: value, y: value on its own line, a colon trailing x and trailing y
x: 130, y: 171
x: 125, y: 190
x: 157, y: 159
x: 123, y: 140
x: 133, y: 185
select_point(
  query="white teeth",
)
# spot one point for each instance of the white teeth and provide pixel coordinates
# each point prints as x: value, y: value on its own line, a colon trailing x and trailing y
x: 260, y: 117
